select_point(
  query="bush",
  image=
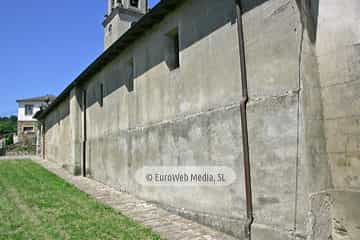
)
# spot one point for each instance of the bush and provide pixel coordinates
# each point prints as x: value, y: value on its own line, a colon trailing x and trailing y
x: 9, y: 140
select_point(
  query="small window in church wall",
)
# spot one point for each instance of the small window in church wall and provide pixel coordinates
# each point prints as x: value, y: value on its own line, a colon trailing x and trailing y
x: 101, y: 99
x: 110, y: 28
x: 130, y: 77
x: 173, y: 58
x: 134, y: 3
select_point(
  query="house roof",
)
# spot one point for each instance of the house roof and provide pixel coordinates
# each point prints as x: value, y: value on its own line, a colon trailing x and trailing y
x: 46, y: 98
x: 153, y: 17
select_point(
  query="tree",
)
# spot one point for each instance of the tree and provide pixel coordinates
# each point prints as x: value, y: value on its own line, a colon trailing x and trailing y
x: 8, y: 125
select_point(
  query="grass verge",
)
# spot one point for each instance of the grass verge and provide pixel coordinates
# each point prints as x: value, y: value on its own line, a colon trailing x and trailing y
x: 36, y: 204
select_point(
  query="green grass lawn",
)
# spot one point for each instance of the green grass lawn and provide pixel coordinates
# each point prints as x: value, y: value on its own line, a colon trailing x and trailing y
x: 36, y: 204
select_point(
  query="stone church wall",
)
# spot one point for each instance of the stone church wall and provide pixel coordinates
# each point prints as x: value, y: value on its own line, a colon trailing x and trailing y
x: 299, y: 108
x: 57, y: 138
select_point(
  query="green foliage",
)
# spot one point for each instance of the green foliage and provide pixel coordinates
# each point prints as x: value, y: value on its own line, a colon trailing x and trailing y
x: 8, y: 125
x: 9, y: 140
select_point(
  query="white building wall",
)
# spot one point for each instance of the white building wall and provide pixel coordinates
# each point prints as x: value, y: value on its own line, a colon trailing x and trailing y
x: 21, y: 111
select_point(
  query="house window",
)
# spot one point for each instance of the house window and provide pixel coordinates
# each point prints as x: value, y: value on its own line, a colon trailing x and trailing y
x: 130, y: 75
x: 134, y: 3
x: 28, y: 129
x: 101, y: 100
x: 29, y: 110
x: 173, y: 60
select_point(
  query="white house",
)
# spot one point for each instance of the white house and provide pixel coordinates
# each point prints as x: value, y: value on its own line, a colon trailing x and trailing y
x: 27, y: 108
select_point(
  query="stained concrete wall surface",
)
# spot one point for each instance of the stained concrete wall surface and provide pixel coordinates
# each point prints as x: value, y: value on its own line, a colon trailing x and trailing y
x: 302, y: 116
x: 58, y: 135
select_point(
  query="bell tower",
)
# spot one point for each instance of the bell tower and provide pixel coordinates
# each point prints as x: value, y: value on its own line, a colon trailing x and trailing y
x: 120, y: 16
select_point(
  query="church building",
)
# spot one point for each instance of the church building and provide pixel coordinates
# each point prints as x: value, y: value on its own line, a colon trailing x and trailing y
x: 267, y: 88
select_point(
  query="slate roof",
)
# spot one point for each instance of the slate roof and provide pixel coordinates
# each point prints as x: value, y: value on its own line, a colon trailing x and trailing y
x: 46, y: 98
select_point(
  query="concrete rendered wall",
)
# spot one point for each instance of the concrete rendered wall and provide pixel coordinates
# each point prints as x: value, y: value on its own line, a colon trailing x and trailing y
x: 171, y: 117
x: 338, y: 54
x: 338, y: 50
x: 190, y: 117
x: 58, y: 134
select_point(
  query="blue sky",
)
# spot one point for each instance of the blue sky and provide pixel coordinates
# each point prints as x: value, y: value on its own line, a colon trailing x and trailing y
x: 44, y: 45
